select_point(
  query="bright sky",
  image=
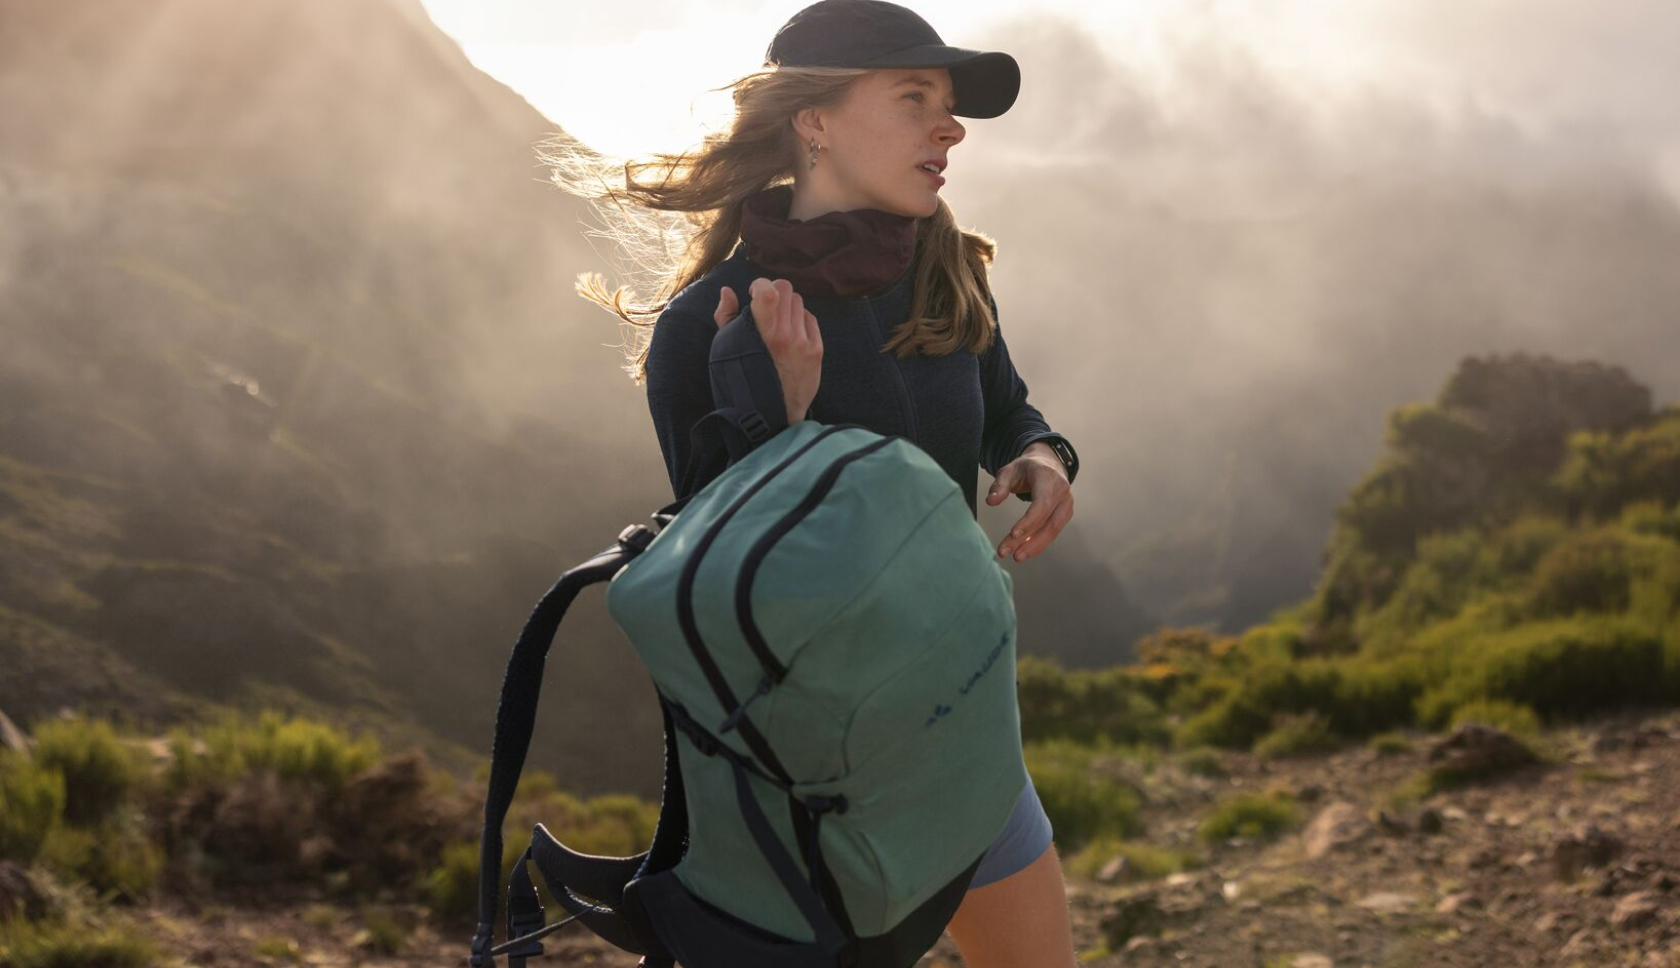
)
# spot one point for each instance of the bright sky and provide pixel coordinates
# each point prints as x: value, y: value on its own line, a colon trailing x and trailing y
x: 630, y: 78
x: 627, y: 78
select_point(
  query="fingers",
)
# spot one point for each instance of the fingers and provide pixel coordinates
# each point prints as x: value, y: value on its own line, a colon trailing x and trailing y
x: 1044, y: 520
x: 1003, y: 486
x: 728, y: 305
x: 770, y: 299
x: 813, y: 332
x: 791, y: 334
x: 1034, y: 544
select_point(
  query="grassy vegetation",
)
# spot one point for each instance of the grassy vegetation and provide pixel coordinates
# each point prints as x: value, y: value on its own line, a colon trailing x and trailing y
x: 1143, y: 861
x: 1081, y: 794
x: 1466, y: 580
x: 1251, y: 815
x: 291, y: 748
x: 1547, y: 594
x: 59, y: 943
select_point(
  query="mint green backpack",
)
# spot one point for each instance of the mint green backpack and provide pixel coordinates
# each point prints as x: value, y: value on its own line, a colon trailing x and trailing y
x: 833, y: 641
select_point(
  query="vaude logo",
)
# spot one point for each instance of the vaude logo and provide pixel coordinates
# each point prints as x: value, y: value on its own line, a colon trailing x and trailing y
x: 940, y: 709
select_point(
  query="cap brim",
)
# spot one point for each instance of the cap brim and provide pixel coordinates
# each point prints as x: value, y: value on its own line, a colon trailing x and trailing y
x: 985, y: 82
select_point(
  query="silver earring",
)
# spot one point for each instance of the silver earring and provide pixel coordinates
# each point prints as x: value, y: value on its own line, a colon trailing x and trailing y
x: 813, y: 152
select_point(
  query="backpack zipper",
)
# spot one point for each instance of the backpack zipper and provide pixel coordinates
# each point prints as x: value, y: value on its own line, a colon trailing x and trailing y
x: 691, y: 631
x: 773, y: 667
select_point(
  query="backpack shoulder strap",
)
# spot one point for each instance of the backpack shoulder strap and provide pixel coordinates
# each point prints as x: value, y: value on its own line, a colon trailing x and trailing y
x: 516, y: 715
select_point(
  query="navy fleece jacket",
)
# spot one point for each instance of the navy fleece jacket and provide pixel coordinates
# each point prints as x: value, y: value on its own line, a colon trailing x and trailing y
x: 965, y: 410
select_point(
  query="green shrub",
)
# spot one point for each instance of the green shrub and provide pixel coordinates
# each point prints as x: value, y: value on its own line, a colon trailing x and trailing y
x: 1355, y: 695
x: 1511, y: 717
x: 613, y: 825
x: 1273, y: 642
x: 1435, y: 779
x: 278, y: 948
x: 1513, y: 551
x: 64, y: 944
x: 1251, y: 815
x: 382, y: 932
x: 1586, y: 572
x: 293, y: 748
x: 1430, y: 431
x: 1201, y: 761
x: 31, y: 805
x: 1652, y: 518
x: 1087, y: 706
x: 1372, y: 695
x: 99, y: 769
x: 1563, y: 668
x: 1390, y: 743
x: 451, y: 888
x: 1604, y: 472
x: 115, y: 858
x: 1144, y: 860
x: 1295, y: 733
x: 1442, y: 577
x: 1080, y: 802
x: 1671, y: 662
x: 1387, y: 509
x: 1654, y: 590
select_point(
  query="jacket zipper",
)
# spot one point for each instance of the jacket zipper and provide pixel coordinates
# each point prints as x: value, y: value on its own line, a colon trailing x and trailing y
x: 907, y: 402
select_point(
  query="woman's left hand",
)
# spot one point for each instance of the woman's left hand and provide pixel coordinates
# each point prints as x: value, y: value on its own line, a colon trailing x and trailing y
x: 1038, y: 471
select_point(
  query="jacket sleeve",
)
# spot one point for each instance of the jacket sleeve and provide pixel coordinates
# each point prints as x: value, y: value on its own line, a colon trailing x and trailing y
x: 1011, y: 423
x: 679, y: 391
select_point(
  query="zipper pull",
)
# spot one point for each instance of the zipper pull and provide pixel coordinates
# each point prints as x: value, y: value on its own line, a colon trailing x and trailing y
x: 741, y: 710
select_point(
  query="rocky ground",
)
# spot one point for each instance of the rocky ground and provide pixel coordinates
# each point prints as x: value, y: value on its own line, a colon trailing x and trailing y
x: 1570, y: 861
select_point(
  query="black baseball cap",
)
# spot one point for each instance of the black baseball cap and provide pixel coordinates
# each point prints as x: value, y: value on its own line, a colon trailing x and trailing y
x: 875, y: 33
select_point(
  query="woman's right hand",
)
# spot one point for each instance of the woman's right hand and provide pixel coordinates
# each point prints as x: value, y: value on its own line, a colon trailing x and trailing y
x: 789, y: 332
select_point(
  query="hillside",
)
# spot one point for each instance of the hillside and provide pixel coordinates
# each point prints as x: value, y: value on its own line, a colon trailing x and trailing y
x: 299, y: 408
x: 1463, y: 749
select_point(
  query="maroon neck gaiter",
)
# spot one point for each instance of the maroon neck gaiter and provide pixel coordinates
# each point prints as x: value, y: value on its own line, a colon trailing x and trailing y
x: 837, y: 253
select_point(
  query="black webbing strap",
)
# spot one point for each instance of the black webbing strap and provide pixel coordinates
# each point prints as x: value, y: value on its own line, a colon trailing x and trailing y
x: 524, y: 914
x: 516, y: 715
x: 828, y: 933
x: 709, y: 745
x: 807, y: 817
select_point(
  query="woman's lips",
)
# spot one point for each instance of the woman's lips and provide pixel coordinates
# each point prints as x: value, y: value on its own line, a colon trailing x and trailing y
x: 938, y: 179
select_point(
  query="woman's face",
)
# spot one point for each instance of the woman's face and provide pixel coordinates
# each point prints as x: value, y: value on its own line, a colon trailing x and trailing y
x: 876, y: 140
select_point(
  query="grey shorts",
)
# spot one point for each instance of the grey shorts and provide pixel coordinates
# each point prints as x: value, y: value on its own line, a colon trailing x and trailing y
x: 1025, y: 837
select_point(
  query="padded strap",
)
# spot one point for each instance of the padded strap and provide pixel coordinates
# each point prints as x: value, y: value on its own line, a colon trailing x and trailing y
x: 747, y: 391
x: 516, y: 714
x: 744, y: 373
x: 739, y: 431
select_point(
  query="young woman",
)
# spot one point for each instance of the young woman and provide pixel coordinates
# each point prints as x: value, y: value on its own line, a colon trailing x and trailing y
x: 817, y: 209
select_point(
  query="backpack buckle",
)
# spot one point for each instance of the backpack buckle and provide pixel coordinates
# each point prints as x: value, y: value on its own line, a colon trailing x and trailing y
x: 519, y: 926
x: 637, y: 537
x: 757, y: 430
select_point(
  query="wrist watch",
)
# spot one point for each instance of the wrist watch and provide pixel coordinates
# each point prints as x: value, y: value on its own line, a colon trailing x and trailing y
x: 1065, y: 452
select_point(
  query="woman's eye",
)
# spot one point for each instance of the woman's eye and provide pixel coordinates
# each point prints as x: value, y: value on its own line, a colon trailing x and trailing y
x: 921, y: 96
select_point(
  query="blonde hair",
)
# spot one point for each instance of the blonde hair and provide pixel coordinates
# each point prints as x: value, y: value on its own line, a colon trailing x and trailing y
x: 952, y: 303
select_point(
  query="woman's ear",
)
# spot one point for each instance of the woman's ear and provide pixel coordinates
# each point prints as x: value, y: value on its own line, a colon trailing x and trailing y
x: 807, y: 124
